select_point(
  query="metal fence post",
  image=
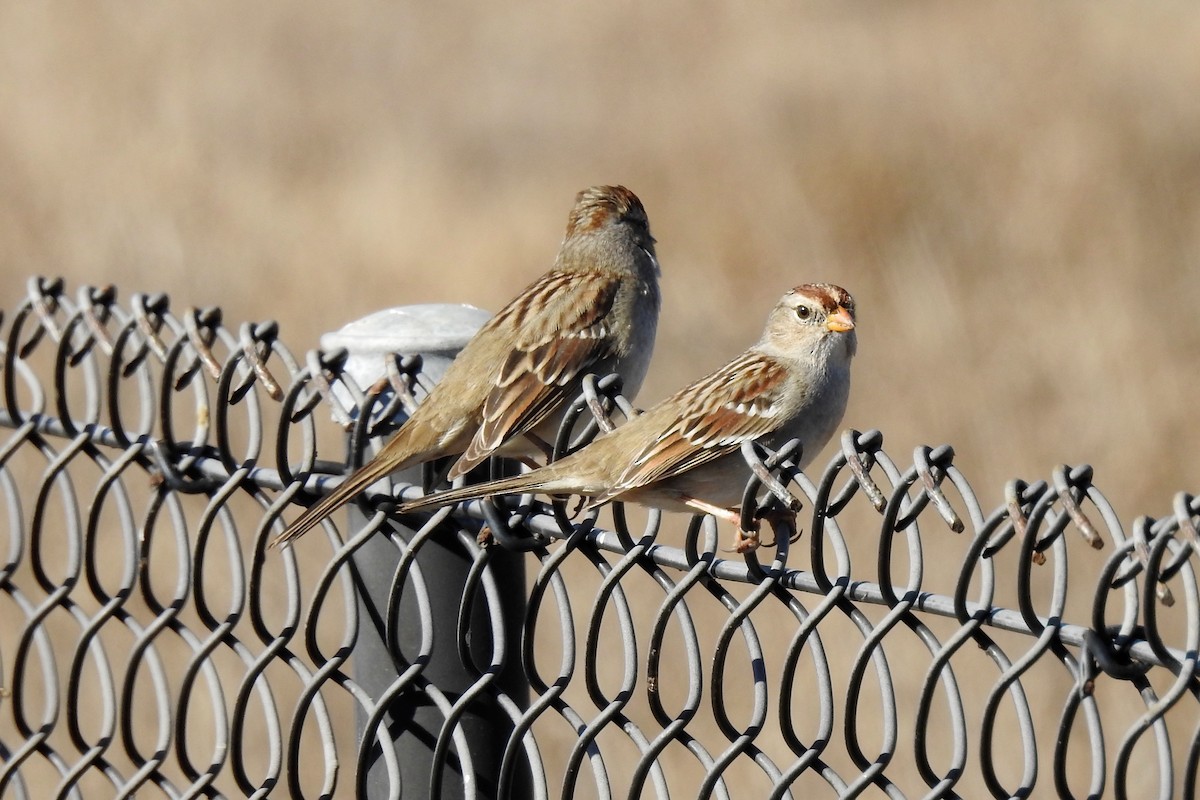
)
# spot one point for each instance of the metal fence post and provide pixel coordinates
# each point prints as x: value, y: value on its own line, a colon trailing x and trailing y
x: 437, y: 333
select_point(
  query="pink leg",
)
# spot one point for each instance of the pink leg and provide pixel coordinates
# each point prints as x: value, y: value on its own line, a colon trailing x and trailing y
x: 743, y: 541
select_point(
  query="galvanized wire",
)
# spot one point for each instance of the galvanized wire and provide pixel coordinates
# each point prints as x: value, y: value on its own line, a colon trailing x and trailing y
x: 151, y: 645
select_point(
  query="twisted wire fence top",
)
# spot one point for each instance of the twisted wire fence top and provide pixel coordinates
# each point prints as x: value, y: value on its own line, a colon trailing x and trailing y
x: 913, y: 643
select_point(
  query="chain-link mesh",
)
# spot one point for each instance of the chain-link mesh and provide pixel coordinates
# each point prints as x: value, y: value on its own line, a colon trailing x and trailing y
x: 914, y: 643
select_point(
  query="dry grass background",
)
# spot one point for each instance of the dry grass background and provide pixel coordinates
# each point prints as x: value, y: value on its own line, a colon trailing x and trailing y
x: 1009, y: 191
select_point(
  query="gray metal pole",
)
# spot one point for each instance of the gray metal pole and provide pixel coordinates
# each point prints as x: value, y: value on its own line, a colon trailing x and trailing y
x: 437, y: 333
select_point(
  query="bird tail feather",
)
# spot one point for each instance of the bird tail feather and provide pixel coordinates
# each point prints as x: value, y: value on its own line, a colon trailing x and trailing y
x: 357, y: 482
x: 529, y: 482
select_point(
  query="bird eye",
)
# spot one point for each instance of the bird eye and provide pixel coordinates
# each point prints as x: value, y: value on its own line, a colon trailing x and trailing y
x: 803, y: 312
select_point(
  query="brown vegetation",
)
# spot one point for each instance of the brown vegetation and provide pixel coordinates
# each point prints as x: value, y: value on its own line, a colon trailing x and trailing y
x: 1011, y: 193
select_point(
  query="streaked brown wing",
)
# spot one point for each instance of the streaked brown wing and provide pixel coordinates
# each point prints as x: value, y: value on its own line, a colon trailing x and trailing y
x: 734, y: 405
x: 562, y: 333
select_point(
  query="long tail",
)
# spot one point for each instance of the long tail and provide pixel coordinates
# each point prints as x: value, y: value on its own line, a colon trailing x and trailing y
x: 363, y: 477
x: 536, y: 481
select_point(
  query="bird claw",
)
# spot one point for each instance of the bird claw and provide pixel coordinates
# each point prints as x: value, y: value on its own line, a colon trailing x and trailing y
x: 744, y: 541
x: 579, y: 506
x: 747, y: 541
x: 778, y: 518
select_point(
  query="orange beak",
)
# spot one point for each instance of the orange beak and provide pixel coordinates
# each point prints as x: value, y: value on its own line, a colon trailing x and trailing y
x: 840, y: 321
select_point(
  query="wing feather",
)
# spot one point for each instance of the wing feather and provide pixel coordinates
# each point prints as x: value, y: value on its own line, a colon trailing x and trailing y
x: 740, y: 402
x: 562, y: 332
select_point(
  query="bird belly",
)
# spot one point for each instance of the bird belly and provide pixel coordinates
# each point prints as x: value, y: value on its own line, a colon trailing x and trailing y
x: 719, y: 483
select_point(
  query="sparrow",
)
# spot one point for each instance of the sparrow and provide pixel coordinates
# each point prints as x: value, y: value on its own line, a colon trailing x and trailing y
x: 595, y: 311
x: 684, y: 453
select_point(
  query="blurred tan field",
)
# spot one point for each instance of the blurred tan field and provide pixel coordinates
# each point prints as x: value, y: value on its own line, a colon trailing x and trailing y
x: 1011, y: 192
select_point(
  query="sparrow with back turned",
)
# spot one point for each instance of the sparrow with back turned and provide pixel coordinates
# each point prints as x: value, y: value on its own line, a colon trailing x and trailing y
x: 504, y: 394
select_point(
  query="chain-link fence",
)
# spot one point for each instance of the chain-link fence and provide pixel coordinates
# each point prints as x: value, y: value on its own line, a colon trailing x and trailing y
x: 913, y: 643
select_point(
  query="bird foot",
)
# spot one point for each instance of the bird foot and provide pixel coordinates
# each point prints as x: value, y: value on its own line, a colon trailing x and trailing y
x: 746, y: 541
x: 781, y: 519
